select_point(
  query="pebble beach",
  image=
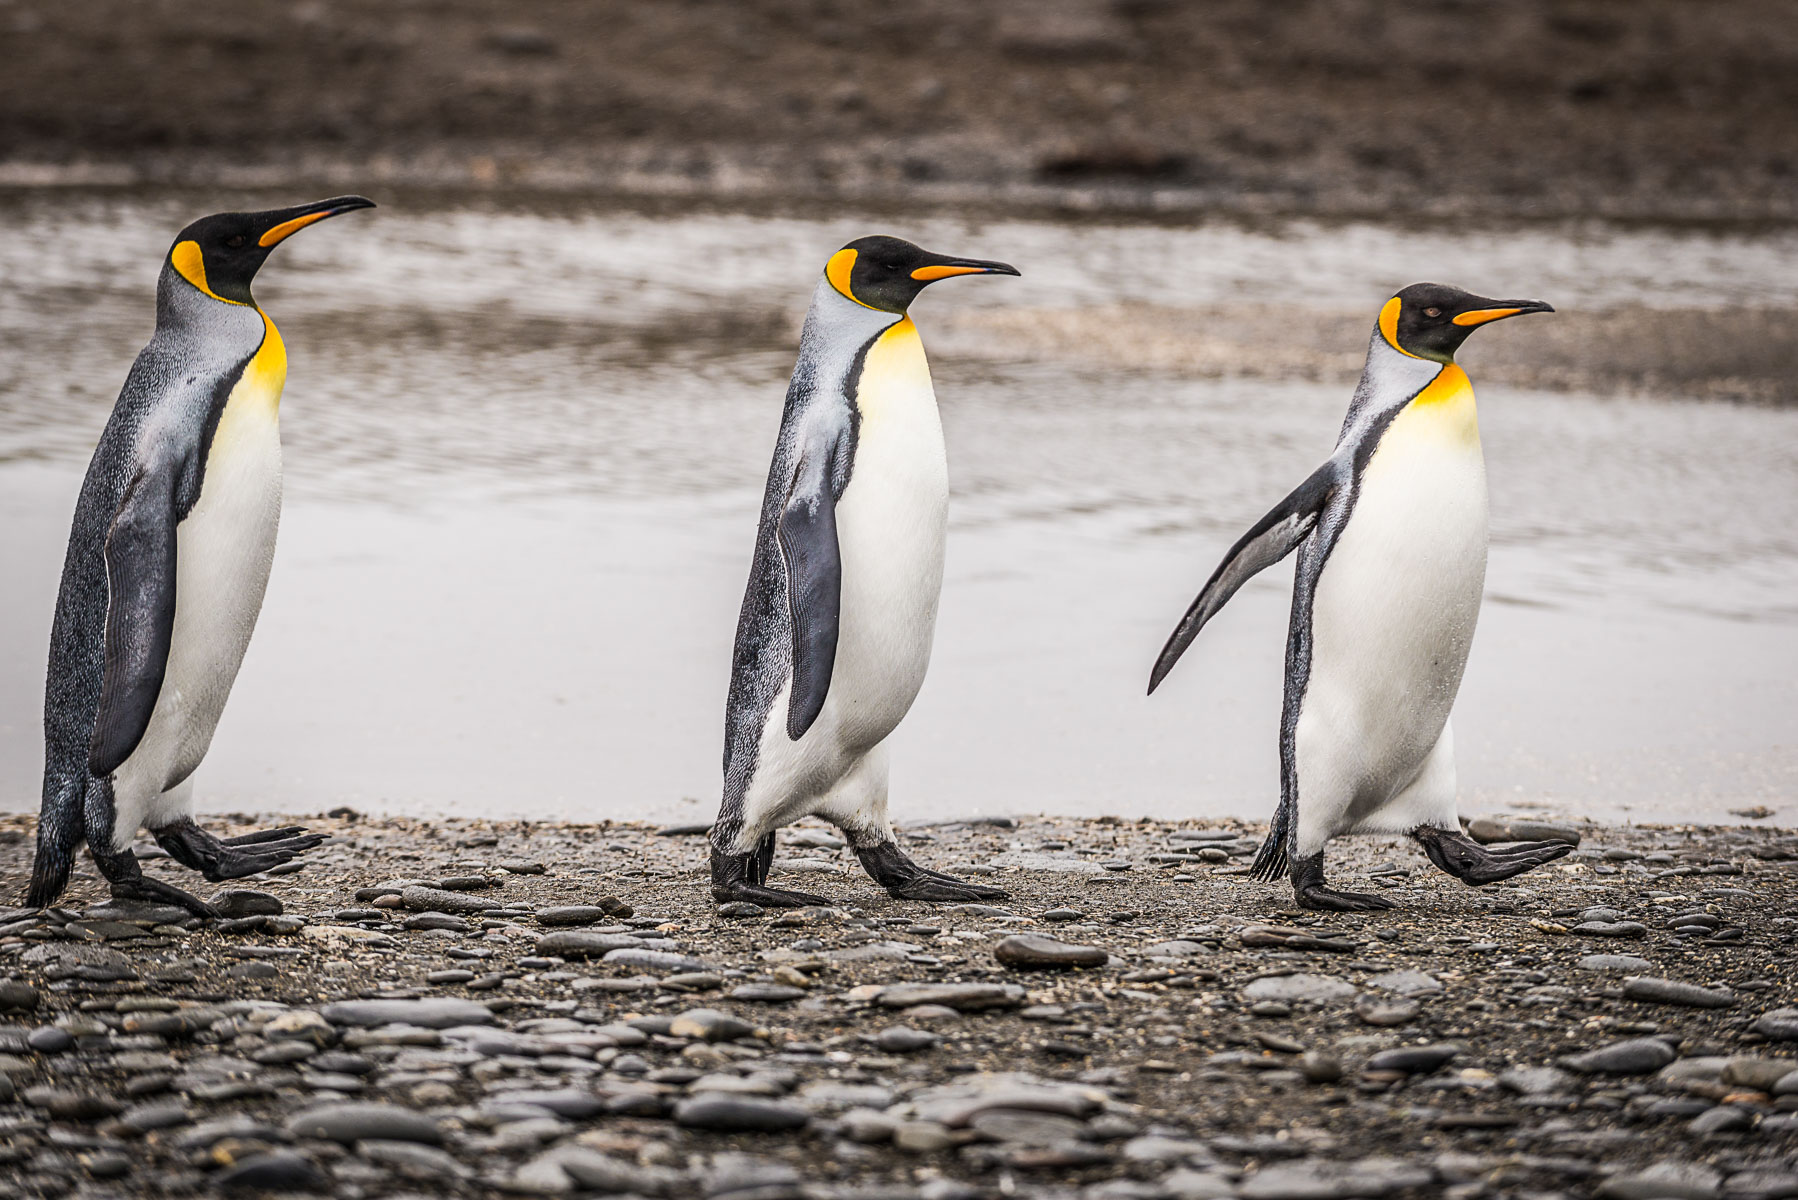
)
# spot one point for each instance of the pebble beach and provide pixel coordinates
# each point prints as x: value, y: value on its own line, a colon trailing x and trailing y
x: 465, y: 1008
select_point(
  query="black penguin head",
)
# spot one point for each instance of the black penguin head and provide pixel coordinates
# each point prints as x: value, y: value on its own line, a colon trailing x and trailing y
x: 221, y: 254
x: 887, y: 273
x: 1431, y: 320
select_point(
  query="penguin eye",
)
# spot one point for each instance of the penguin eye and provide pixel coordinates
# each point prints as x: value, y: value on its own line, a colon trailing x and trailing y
x: 1432, y: 313
x: 236, y: 241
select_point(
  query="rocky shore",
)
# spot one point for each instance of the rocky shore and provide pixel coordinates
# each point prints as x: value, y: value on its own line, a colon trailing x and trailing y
x: 462, y: 1008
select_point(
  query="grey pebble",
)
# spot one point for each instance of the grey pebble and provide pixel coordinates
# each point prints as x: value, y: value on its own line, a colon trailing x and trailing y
x: 1031, y: 950
x: 348, y: 1123
x: 437, y: 1012
x: 1612, y: 929
x: 583, y: 944
x: 1614, y: 962
x: 1320, y: 988
x: 1654, y: 990
x: 1415, y: 1060
x: 277, y: 1171
x: 1637, y: 1056
x: 243, y: 902
x: 739, y: 1114
x: 1779, y: 1025
x: 1664, y: 1181
x: 962, y: 997
x: 652, y: 960
x: 419, y: 898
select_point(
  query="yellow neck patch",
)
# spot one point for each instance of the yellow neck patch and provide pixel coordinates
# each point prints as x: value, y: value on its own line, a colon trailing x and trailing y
x: 838, y: 269
x: 1389, y: 325
x: 1446, y: 406
x: 187, y: 259
x: 266, y: 373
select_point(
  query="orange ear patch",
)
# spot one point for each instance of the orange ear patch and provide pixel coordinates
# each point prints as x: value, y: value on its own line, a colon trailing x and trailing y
x: 1389, y: 325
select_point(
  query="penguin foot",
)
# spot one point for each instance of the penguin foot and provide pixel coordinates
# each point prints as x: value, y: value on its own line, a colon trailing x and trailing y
x: 233, y: 858
x: 904, y: 879
x: 1309, y: 890
x: 130, y: 883
x: 1475, y: 865
x: 740, y: 877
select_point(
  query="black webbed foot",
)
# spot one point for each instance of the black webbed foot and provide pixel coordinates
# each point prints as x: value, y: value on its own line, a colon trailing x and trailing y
x: 1309, y: 890
x: 129, y: 882
x: 1474, y: 864
x: 735, y: 878
x: 904, y: 879
x: 233, y: 858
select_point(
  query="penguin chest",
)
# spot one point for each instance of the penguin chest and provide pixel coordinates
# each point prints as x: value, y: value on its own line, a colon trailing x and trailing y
x: 891, y: 525
x: 1396, y: 602
x: 224, y: 549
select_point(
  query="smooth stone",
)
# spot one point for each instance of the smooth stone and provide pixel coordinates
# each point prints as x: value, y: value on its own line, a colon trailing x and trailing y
x: 66, y: 1104
x: 1653, y: 990
x: 902, y: 1039
x: 1535, y: 1081
x: 1407, y: 983
x: 522, y: 866
x: 665, y: 961
x: 162, y: 1115
x: 584, y: 944
x: 1779, y: 1025
x: 766, y: 993
x: 739, y: 1114
x: 1320, y: 1066
x: 709, y: 1025
x: 437, y: 1012
x: 962, y: 997
x: 435, y: 920
x: 740, y: 908
x: 1415, y: 1060
x: 244, y: 902
x: 1761, y: 1185
x: 1309, y: 1180
x: 1186, y: 1184
x: 1636, y: 1056
x: 1725, y: 1118
x: 1761, y: 1074
x: 48, y: 1039
x: 1385, y: 1013
x: 412, y: 1159
x: 1664, y: 1181
x: 1025, y: 1127
x: 1319, y: 988
x: 867, y: 1127
x: 1030, y: 950
x: 580, y: 914
x: 277, y: 1171
x: 16, y: 995
x: 1612, y: 929
x: 303, y: 1025
x: 419, y: 898
x: 253, y: 970
x: 1614, y: 962
x: 923, y: 1137
x: 348, y: 1123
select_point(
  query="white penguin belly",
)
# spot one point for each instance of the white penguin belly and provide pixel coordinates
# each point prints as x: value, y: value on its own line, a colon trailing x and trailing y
x: 891, y: 525
x: 1393, y: 619
x: 223, y: 552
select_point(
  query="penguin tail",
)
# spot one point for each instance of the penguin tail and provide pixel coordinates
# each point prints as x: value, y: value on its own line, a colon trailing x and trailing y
x: 1270, y: 860
x: 59, y: 835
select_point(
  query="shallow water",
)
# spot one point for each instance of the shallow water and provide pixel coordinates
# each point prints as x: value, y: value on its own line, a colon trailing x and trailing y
x: 525, y: 450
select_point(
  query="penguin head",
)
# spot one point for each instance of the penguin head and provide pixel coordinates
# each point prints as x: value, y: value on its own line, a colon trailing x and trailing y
x: 886, y: 273
x: 1431, y: 320
x: 221, y: 254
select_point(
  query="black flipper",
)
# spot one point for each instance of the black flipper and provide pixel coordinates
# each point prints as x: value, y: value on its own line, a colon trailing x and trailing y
x: 808, y: 544
x: 140, y: 616
x: 1269, y: 540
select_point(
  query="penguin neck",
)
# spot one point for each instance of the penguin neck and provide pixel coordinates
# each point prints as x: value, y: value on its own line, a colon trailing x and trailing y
x: 1389, y: 381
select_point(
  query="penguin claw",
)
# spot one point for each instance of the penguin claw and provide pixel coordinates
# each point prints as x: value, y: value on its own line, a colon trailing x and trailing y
x: 1475, y: 865
x: 925, y: 887
x: 769, y: 897
x: 904, y: 879
x: 284, y: 833
x: 981, y: 891
x: 1324, y: 899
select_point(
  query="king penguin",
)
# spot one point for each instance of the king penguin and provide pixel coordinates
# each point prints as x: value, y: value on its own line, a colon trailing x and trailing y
x: 1391, y: 535
x: 173, y: 537
x: 837, y: 621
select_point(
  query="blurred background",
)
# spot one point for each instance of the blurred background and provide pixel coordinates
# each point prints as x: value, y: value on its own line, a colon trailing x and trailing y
x: 531, y: 398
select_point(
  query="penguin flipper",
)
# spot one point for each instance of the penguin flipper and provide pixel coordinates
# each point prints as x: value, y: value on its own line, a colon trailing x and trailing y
x: 140, y: 615
x: 1269, y: 540
x: 808, y: 545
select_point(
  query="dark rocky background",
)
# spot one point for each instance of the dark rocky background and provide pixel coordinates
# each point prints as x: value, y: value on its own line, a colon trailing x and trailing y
x: 1624, y: 107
